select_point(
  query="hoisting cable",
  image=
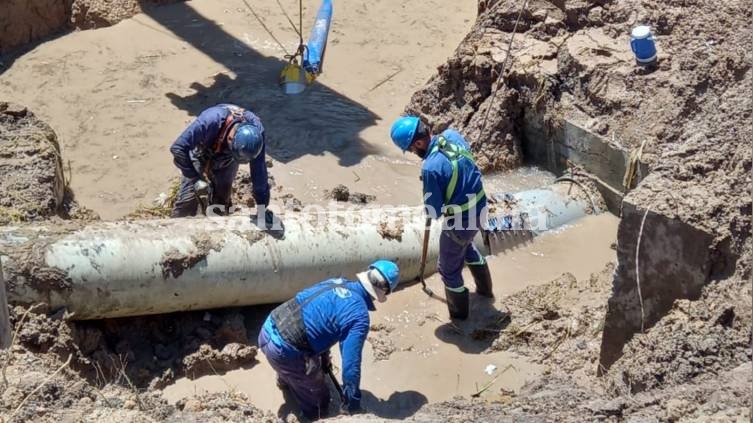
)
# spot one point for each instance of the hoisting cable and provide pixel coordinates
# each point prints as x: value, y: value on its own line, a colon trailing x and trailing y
x: 290, y: 21
x: 301, y: 50
x: 293, y: 78
x: 502, y: 71
x: 258, y: 18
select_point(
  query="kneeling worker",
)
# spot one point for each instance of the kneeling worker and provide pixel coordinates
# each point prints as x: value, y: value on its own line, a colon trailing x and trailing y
x: 208, y: 154
x: 297, y: 335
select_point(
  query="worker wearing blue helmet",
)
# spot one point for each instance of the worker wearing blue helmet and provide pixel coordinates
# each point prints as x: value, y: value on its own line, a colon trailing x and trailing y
x: 208, y: 154
x: 297, y: 335
x: 452, y: 187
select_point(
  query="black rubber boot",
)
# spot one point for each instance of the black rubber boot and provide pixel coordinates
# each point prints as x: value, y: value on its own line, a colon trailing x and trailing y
x: 458, y: 303
x: 482, y: 278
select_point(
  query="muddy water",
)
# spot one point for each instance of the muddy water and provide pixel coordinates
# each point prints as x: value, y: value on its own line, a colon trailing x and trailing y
x: 428, y: 359
x: 117, y: 97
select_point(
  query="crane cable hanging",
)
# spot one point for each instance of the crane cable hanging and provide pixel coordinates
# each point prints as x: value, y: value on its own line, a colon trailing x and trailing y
x: 263, y: 25
x: 293, y: 77
x: 298, y: 30
x: 502, y: 70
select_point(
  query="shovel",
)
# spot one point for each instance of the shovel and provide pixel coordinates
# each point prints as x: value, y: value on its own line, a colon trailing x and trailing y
x: 337, y: 385
x: 427, y: 230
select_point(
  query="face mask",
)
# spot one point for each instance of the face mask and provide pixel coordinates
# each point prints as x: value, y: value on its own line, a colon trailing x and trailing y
x: 421, y: 153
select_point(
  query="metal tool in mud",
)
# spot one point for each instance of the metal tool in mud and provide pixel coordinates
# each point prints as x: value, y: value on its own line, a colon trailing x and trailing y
x: 337, y: 385
x: 427, y: 231
x: 203, y: 191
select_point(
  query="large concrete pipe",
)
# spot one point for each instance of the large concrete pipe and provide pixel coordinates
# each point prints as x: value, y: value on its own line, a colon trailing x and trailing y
x: 113, y: 269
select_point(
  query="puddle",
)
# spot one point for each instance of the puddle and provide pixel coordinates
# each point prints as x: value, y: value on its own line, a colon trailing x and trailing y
x: 428, y: 359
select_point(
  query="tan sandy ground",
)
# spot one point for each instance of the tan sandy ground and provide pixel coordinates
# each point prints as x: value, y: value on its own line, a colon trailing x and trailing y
x: 118, y: 96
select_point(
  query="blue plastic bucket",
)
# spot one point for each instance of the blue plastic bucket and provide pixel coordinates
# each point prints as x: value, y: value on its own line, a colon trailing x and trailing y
x: 642, y: 44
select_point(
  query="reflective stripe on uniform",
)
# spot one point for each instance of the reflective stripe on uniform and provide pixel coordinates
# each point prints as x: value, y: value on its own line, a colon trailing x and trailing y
x: 453, y: 154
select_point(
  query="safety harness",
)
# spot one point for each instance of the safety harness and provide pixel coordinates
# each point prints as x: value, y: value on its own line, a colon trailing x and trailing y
x: 288, y: 318
x: 236, y: 116
x: 454, y: 154
x: 204, y: 157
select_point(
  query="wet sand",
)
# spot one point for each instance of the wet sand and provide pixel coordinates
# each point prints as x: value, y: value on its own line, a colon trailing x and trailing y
x: 119, y: 96
x: 429, y: 360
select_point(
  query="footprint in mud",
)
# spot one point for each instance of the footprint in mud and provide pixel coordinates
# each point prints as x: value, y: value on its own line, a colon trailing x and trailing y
x: 477, y: 333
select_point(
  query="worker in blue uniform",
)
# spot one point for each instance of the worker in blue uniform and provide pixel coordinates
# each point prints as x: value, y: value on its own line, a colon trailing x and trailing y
x: 297, y: 335
x: 452, y: 187
x: 208, y: 154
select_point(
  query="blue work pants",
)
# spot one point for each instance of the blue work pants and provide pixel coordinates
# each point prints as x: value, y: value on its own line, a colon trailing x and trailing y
x: 186, y: 204
x: 456, y: 248
x: 302, y: 375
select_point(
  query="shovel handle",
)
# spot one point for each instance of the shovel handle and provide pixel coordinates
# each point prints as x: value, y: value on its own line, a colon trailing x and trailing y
x: 424, y: 253
x: 337, y: 385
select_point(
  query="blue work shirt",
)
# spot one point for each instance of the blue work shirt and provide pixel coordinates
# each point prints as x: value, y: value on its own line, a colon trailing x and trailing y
x: 436, y: 173
x: 203, y: 133
x: 336, y: 315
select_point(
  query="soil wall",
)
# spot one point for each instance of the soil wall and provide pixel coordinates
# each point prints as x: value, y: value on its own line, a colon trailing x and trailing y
x: 26, y: 21
x: 32, y: 185
x: 688, y: 118
x: 23, y: 21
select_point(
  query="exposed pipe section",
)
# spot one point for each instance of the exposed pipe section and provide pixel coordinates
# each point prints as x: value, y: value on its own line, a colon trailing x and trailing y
x: 114, y: 269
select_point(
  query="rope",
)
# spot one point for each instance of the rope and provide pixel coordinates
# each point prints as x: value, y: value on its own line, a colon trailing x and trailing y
x: 301, y: 50
x: 502, y: 71
x: 300, y: 24
x: 290, y: 21
x: 637, y: 268
x: 38, y: 388
x: 566, y: 178
x: 261, y: 22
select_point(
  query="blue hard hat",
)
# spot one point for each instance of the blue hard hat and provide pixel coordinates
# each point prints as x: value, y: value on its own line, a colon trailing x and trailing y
x: 247, y: 143
x: 389, y: 270
x: 403, y: 130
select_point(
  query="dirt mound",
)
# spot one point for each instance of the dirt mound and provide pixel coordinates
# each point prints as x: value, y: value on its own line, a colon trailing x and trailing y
x: 110, y: 370
x: 32, y: 182
x: 22, y: 22
x: 91, y: 14
x: 572, y: 59
x: 144, y: 351
x: 457, y: 96
x: 559, y: 324
x: 719, y: 398
x: 32, y: 185
x: 241, y: 197
x: 690, y: 114
x: 209, y: 360
x: 710, y: 335
x: 705, y: 377
x: 43, y: 388
x: 27, y: 20
x: 225, y: 406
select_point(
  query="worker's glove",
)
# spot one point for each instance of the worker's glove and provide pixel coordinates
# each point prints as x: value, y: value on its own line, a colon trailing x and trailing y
x: 201, y: 187
x: 326, y: 362
x: 264, y: 217
x: 269, y: 218
x: 269, y: 223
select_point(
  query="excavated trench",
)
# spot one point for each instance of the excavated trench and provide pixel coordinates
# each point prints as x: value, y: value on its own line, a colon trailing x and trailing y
x: 566, y: 300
